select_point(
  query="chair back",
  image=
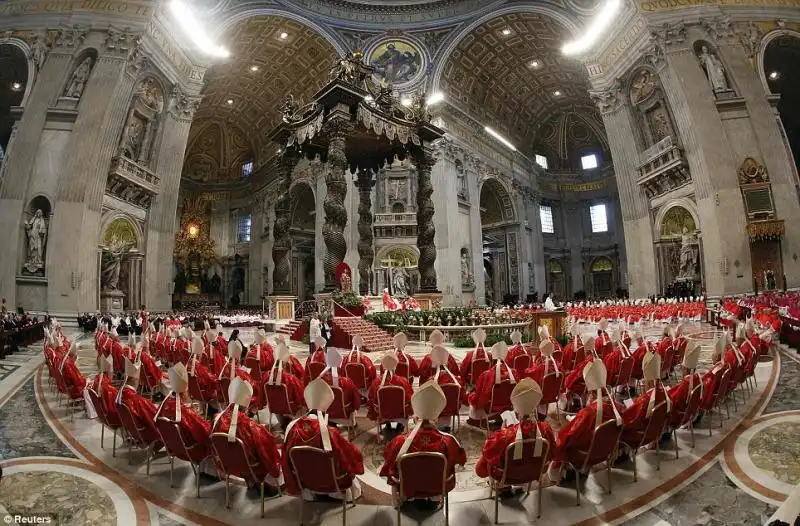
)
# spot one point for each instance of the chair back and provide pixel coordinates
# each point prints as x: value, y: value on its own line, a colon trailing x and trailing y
x: 521, y: 362
x: 655, y: 424
x: 129, y: 423
x: 750, y: 364
x: 693, y: 405
x: 59, y: 378
x: 719, y: 390
x: 170, y: 434
x: 357, y: 374
x: 625, y: 371
x: 195, y: 392
x: 338, y: 409
x: 98, y: 405
x: 315, y: 369
x: 232, y: 456
x: 403, y: 370
x: 309, y: 466
x: 528, y: 468
x: 551, y: 387
x: 422, y: 474
x: 669, y: 357
x: 255, y: 368
x: 500, y: 397
x: 224, y: 384
x: 391, y: 402
x: 604, y: 442
x: 277, y: 397
x: 477, y: 368
x: 452, y: 393
x: 558, y: 353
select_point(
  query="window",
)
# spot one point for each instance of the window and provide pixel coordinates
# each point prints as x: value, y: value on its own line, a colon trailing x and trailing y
x: 541, y: 160
x: 546, y: 217
x: 247, y: 168
x: 599, y: 220
x: 243, y: 228
x: 589, y: 161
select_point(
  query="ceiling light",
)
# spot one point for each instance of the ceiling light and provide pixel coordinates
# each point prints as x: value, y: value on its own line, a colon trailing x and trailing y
x: 16, y: 86
x: 229, y: 101
x: 594, y: 29
x: 254, y: 68
x: 368, y: 98
x: 500, y: 138
x: 195, y: 31
x: 506, y: 32
x: 774, y: 75
x: 557, y: 93
x: 284, y: 36
x: 435, y: 98
x: 406, y: 101
x: 534, y: 64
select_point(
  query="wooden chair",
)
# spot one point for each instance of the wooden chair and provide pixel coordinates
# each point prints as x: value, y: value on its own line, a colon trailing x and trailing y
x: 315, y: 369
x: 452, y: 408
x: 170, y: 433
x: 104, y: 421
x: 652, y: 433
x: 234, y: 460
x: 499, y: 400
x: 390, y: 397
x: 602, y: 448
x: 424, y: 475
x: 308, y: 465
x: 357, y: 373
x: 526, y: 470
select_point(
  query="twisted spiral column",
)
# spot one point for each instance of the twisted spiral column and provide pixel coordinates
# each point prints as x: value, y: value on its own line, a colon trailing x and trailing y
x: 424, y: 162
x: 335, y: 211
x: 366, y: 255
x: 282, y: 243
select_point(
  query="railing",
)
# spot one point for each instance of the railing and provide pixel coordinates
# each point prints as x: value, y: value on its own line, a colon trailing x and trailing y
x: 395, y: 219
x: 655, y: 150
x: 133, y: 171
x: 306, y: 308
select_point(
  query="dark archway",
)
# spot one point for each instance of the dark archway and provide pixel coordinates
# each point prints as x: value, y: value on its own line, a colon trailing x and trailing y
x: 781, y: 57
x: 13, y: 81
x: 302, y: 231
x: 498, y: 228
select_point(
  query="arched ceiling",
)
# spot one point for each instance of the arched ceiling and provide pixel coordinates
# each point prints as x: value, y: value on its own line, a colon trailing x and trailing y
x: 510, y: 74
x: 13, y: 81
x: 566, y: 135
x: 299, y: 64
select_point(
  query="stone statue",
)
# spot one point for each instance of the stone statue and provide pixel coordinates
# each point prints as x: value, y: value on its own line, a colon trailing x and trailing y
x: 78, y: 81
x: 112, y: 262
x: 714, y: 70
x: 289, y: 108
x: 36, y: 230
x: 400, y: 282
x: 132, y: 139
x: 688, y: 255
x: 466, y: 274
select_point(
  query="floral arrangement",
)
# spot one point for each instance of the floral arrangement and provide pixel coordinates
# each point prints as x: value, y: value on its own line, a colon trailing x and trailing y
x: 348, y: 300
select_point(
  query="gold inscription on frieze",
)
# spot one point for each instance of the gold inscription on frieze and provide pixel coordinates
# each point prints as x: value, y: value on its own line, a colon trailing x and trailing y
x: 663, y: 5
x: 29, y: 7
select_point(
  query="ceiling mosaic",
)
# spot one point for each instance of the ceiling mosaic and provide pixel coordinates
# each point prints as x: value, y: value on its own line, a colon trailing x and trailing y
x: 509, y: 73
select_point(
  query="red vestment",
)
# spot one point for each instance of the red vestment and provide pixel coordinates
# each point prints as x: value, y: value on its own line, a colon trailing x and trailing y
x: 428, y: 438
x: 711, y: 380
x: 603, y: 344
x: 244, y: 375
x: 194, y: 430
x: 635, y: 418
x: 214, y: 359
x: 679, y: 396
x: 350, y: 395
x: 118, y: 354
x: 638, y: 359
x: 108, y: 397
x: 363, y: 359
x: 479, y: 398
x: 574, y: 382
x: 577, y: 434
x: 613, y: 362
x: 305, y: 432
x: 258, y: 442
x: 181, y: 351
x: 151, y: 372
x: 479, y: 353
x: 266, y: 355
x: 206, y: 379
x: 662, y: 348
x: 317, y: 356
x: 513, y: 353
x: 572, y: 354
x: 222, y: 346
x: 143, y: 412
x: 294, y: 388
x: 426, y: 369
x: 413, y: 367
x: 372, y: 396
x: 73, y: 379
x: 494, y: 448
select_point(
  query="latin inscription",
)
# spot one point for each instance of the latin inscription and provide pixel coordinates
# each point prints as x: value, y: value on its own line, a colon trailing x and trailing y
x: 21, y: 7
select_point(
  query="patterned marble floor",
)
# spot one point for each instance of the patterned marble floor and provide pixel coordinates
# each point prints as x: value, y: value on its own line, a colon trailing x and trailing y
x: 738, y: 476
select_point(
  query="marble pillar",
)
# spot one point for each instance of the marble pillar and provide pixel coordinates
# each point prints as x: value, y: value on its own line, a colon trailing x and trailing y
x: 335, y: 210
x: 426, y: 232
x: 282, y: 244
x: 366, y: 252
x: 319, y: 221
x: 476, y: 236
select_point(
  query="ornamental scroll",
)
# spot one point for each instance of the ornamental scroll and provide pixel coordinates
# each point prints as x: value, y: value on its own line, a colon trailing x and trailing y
x: 381, y: 126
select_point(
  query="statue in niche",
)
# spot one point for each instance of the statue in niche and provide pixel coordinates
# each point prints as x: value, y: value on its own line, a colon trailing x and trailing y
x: 689, y: 255
x: 462, y: 180
x: 659, y: 123
x: 397, y: 190
x: 150, y: 93
x: 111, y: 262
x: 77, y: 83
x: 132, y: 139
x: 642, y: 86
x: 466, y: 273
x: 400, y: 282
x: 714, y: 70
x: 36, y: 232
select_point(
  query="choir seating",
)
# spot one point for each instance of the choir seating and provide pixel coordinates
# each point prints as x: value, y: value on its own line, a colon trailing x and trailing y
x: 308, y: 464
x: 423, y: 475
x: 525, y: 471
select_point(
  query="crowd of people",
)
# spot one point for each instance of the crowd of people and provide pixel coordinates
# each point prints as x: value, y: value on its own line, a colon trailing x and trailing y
x: 504, y: 387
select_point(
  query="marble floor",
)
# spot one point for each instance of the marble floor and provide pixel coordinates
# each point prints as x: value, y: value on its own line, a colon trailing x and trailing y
x: 53, y: 465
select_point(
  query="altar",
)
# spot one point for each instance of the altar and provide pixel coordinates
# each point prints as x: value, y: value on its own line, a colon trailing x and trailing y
x: 555, y: 321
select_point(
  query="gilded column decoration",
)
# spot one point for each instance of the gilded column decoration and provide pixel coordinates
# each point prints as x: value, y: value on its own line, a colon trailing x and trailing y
x: 335, y: 211
x: 282, y: 243
x: 426, y: 232
x: 366, y: 254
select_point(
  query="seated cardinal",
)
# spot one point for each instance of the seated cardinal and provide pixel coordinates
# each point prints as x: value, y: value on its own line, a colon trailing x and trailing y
x: 666, y: 343
x: 356, y: 356
x: 713, y: 377
x: 74, y: 381
x: 733, y: 355
x: 222, y: 344
x: 525, y: 399
x: 443, y: 375
x: 142, y: 410
x: 574, y: 381
x: 642, y: 347
x: 351, y: 398
x: 603, y: 344
x: 259, y: 444
x: 636, y: 417
x: 293, y: 366
x: 206, y: 378
x: 544, y: 336
x: 151, y: 369
x: 261, y: 351
x: 479, y: 354
x: 681, y: 394
x: 515, y: 351
x: 102, y: 385
x: 428, y: 403
x: 426, y: 367
x: 389, y: 378
x: 574, y: 351
x: 613, y: 360
x: 195, y: 431
x: 181, y: 347
x: 480, y: 400
x: 281, y: 375
x: 545, y: 365
x: 313, y: 430
x: 318, y: 356
x: 400, y: 342
x: 233, y: 370
x: 576, y: 437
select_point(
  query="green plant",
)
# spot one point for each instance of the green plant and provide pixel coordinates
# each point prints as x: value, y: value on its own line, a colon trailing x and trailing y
x: 347, y: 300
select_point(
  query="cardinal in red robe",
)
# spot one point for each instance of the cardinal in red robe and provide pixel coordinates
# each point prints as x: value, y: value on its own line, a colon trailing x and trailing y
x: 712, y: 378
x: 260, y: 446
x: 577, y: 435
x: 206, y: 378
x: 525, y: 398
x: 317, y: 357
x: 426, y: 366
x: 642, y: 347
x: 142, y: 410
x: 233, y: 370
x: 602, y: 343
x: 118, y: 353
x: 478, y: 354
x: 181, y: 350
x: 331, y: 375
x: 261, y: 352
x: 544, y: 336
x: 356, y: 356
x: 195, y: 431
x: 389, y: 378
x: 73, y: 380
x: 428, y: 403
x: 680, y: 394
x: 734, y: 357
x: 293, y: 366
x: 546, y: 365
x: 443, y: 375
x: 636, y: 417
x: 313, y: 430
x: 101, y: 384
x: 221, y: 344
x: 480, y: 405
x: 518, y: 350
x: 613, y: 360
x: 574, y: 381
x: 212, y: 357
x: 151, y: 373
x: 281, y: 376
x: 400, y: 342
x: 574, y: 351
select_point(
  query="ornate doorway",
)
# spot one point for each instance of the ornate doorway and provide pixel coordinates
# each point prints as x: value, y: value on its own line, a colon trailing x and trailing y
x: 767, y: 264
x: 302, y: 235
x: 678, y: 253
x: 602, y: 277
x: 556, y: 279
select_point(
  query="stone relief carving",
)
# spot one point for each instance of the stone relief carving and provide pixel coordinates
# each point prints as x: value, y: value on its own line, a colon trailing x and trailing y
x: 183, y: 107
x: 751, y: 171
x: 137, y: 60
x: 467, y: 279
x: 141, y: 128
x: 461, y: 180
x: 77, y: 83
x: 689, y: 256
x: 111, y: 262
x: 36, y: 234
x: 121, y: 40
x: 70, y: 37
x: 750, y: 35
x: 38, y: 50
x: 714, y: 69
x: 643, y: 86
x: 609, y: 100
x: 670, y: 34
x: 719, y: 28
